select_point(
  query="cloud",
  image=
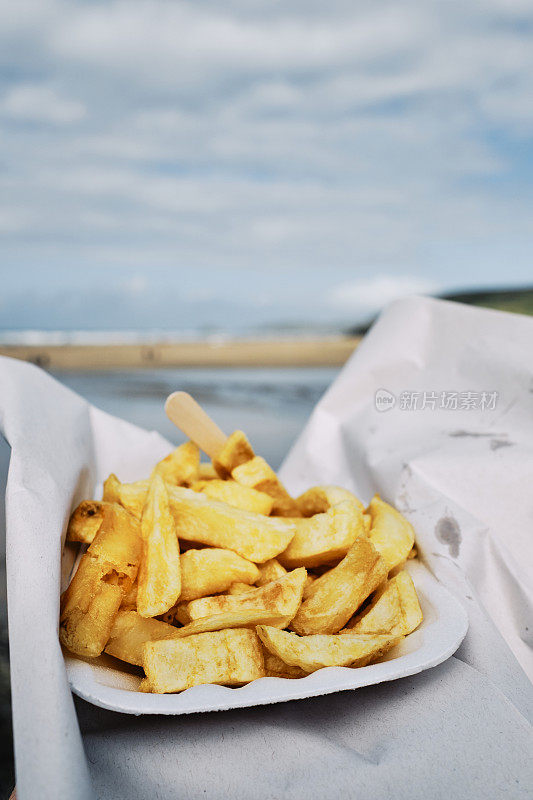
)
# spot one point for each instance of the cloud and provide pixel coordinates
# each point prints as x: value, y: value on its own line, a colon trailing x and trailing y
x: 275, y: 142
x: 372, y: 295
x: 37, y: 103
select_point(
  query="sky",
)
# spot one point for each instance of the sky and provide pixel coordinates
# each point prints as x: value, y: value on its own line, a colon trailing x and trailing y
x: 250, y: 164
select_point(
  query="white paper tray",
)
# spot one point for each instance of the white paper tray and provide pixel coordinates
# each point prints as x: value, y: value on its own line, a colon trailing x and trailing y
x: 105, y: 682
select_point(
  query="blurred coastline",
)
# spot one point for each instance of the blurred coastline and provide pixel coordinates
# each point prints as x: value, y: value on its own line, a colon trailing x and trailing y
x: 211, y: 352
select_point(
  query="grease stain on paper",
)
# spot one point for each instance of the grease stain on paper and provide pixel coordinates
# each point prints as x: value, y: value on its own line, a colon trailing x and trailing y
x: 448, y: 532
x: 495, y: 444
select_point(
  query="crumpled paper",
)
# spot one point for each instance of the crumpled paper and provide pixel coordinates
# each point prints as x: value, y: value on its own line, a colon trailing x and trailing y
x: 461, y: 476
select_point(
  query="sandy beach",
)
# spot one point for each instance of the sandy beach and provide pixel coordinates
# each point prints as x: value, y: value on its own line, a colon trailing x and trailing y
x: 315, y: 352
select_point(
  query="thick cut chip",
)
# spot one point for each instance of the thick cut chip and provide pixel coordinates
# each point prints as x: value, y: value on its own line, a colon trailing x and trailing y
x: 314, y: 652
x: 325, y: 537
x: 394, y: 609
x: 177, y: 614
x: 130, y: 632
x: 236, y: 451
x: 105, y: 573
x: 240, y: 588
x: 382, y: 615
x: 207, y: 472
x: 230, y: 657
x: 131, y: 496
x: 319, y: 499
x: 253, y: 536
x: 181, y: 466
x: 257, y: 474
x: 213, y: 570
x: 270, y: 571
x: 276, y: 668
x: 247, y: 618
x: 160, y: 572
x: 118, y: 542
x: 129, y: 601
x: 334, y: 597
x: 85, y: 521
x: 89, y: 607
x: 390, y: 533
x: 281, y: 597
x: 236, y: 495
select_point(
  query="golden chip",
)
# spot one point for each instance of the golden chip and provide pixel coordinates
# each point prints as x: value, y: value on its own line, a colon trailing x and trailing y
x: 240, y: 588
x: 85, y: 521
x: 237, y: 450
x: 181, y: 466
x: 319, y: 499
x: 230, y: 657
x: 281, y: 597
x: 159, y: 574
x: 130, y: 632
x: 129, y: 495
x: 270, y: 571
x: 212, y: 571
x: 253, y: 536
x: 325, y: 537
x: 236, y: 495
x: 390, y: 533
x: 257, y: 474
x: 314, y: 652
x: 89, y: 607
x: 334, y: 597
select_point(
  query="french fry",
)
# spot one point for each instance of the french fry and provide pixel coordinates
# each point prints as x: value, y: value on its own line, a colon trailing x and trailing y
x: 237, y: 450
x: 319, y: 499
x: 245, y: 618
x: 212, y: 571
x: 252, y: 536
x: 240, y: 588
x: 230, y: 657
x: 129, y: 600
x: 391, y: 534
x: 207, y: 472
x: 106, y: 571
x: 176, y: 614
x: 281, y: 597
x: 276, y: 668
x: 257, y: 474
x: 334, y: 597
x: 130, y: 632
x: 315, y: 652
x: 236, y: 495
x: 159, y: 572
x: 382, y: 615
x: 89, y: 607
x: 130, y: 496
x: 181, y: 467
x: 85, y: 521
x: 270, y: 571
x: 324, y: 537
x: 118, y: 543
x: 395, y: 608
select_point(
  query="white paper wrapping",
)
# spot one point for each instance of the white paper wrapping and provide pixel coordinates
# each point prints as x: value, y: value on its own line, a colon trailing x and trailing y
x: 463, y: 478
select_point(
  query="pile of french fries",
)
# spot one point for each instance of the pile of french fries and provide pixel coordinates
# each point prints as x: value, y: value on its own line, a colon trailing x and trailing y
x: 213, y: 573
